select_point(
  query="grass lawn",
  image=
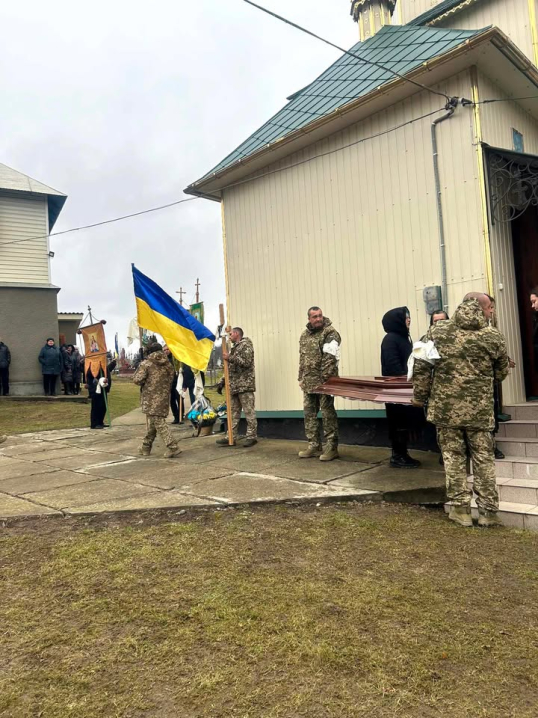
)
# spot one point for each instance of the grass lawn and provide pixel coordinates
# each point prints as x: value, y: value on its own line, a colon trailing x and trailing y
x: 344, y: 611
x: 17, y: 417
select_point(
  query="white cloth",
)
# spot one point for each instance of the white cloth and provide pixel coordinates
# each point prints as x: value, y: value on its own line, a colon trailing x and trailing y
x: 425, y: 351
x: 332, y: 348
x: 179, y: 382
x: 101, y: 383
x: 198, y: 386
x: 132, y: 332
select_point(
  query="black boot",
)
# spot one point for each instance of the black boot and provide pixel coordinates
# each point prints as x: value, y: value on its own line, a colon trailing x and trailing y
x: 400, y: 459
x: 403, y: 461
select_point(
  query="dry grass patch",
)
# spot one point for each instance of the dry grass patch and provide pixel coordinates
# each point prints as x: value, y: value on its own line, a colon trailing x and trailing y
x: 340, y: 611
x: 18, y: 417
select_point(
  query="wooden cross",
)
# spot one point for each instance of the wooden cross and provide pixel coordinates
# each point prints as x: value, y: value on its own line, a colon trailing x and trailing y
x: 181, y: 293
x: 197, y: 291
x: 229, y: 418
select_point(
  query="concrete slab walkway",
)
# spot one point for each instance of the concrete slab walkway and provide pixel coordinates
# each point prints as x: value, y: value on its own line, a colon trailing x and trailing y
x: 80, y: 471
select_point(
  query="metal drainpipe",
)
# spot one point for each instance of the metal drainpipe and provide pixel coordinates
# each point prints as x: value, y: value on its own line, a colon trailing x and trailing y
x: 451, y: 106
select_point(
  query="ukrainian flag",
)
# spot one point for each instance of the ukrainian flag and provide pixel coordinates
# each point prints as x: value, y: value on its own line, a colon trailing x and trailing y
x: 188, y: 340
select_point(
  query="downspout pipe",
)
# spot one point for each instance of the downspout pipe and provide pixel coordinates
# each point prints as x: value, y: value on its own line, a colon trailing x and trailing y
x: 451, y: 107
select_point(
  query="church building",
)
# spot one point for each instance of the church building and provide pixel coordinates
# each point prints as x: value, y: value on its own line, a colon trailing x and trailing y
x: 409, y: 164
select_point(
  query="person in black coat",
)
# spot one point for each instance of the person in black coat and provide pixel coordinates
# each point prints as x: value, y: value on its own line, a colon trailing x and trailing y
x: 396, y: 348
x: 78, y: 370
x: 174, y: 393
x: 50, y: 358
x: 98, y: 410
x: 5, y: 361
x: 188, y: 381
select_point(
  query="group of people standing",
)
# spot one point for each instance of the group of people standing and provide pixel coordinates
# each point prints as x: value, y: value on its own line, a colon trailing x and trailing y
x: 63, y: 362
x: 456, y: 391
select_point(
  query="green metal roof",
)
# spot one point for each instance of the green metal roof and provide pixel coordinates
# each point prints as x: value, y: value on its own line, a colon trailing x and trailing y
x: 399, y: 48
x: 436, y: 11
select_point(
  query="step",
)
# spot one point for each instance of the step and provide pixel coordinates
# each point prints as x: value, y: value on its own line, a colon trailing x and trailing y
x: 517, y: 516
x: 518, y: 429
x: 517, y: 447
x: 525, y: 412
x: 516, y: 491
x: 517, y: 467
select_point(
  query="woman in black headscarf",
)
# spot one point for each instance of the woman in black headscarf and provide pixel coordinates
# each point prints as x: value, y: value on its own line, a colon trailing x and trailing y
x: 395, y: 351
x: 440, y: 316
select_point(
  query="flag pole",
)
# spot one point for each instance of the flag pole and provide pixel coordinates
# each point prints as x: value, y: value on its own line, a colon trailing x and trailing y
x: 107, y: 408
x: 227, y: 380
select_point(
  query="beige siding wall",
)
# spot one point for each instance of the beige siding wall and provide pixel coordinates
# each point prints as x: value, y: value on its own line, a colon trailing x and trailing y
x: 497, y: 121
x: 22, y: 217
x: 511, y: 16
x: 407, y: 10
x: 355, y: 232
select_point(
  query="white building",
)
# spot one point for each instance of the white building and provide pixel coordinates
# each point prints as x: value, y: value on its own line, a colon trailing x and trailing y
x: 28, y: 299
x: 334, y: 201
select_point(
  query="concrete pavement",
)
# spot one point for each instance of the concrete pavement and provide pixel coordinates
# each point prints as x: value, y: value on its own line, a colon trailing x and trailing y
x: 80, y: 471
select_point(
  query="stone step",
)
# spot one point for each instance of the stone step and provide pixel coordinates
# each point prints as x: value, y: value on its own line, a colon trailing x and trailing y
x: 518, y: 429
x: 523, y: 412
x: 517, y: 516
x: 517, y: 467
x: 517, y: 447
x: 516, y: 491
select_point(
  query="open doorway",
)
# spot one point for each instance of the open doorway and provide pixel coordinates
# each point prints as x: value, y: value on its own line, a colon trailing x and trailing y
x: 525, y: 239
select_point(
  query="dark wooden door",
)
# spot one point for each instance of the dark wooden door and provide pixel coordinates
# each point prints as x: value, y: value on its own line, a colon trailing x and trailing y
x: 525, y: 236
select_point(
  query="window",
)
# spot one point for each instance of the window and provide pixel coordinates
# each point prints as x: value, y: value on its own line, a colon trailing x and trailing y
x: 517, y: 139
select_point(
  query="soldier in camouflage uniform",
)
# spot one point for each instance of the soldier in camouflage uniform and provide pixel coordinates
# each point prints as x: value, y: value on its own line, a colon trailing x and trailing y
x: 319, y: 351
x: 154, y: 375
x: 459, y: 393
x: 242, y: 376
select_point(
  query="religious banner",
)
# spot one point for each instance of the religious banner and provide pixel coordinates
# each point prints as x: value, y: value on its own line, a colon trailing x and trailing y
x: 94, y: 348
x: 197, y: 311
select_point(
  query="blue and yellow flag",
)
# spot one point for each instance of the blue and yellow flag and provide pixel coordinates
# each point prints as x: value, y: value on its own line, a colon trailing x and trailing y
x: 188, y: 340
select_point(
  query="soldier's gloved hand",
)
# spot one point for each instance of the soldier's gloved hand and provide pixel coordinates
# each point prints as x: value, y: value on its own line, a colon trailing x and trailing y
x: 418, y: 404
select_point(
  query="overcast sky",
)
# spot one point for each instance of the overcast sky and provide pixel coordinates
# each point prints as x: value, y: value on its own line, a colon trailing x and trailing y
x: 121, y: 105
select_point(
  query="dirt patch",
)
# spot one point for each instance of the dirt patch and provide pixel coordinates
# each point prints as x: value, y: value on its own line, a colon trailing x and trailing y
x: 334, y: 611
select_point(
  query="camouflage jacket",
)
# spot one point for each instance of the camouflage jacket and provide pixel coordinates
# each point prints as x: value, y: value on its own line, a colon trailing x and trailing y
x: 241, y: 368
x: 459, y: 387
x: 155, y: 376
x: 315, y: 365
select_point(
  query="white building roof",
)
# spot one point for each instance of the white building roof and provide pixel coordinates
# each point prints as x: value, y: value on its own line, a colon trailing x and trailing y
x: 15, y: 181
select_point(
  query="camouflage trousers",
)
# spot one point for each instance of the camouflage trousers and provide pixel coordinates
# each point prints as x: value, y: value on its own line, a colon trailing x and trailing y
x: 313, y: 403
x: 244, y: 401
x: 454, y: 444
x: 158, y: 425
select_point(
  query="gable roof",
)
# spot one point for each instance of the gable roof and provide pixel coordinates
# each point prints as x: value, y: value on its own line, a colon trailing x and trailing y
x: 398, y: 48
x: 441, y: 9
x: 15, y: 181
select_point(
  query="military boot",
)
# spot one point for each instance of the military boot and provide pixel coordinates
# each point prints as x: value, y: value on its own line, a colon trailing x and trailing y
x: 311, y: 452
x: 172, y: 451
x: 224, y: 442
x: 488, y: 519
x: 330, y: 453
x: 144, y: 450
x: 461, y: 515
x: 250, y: 441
